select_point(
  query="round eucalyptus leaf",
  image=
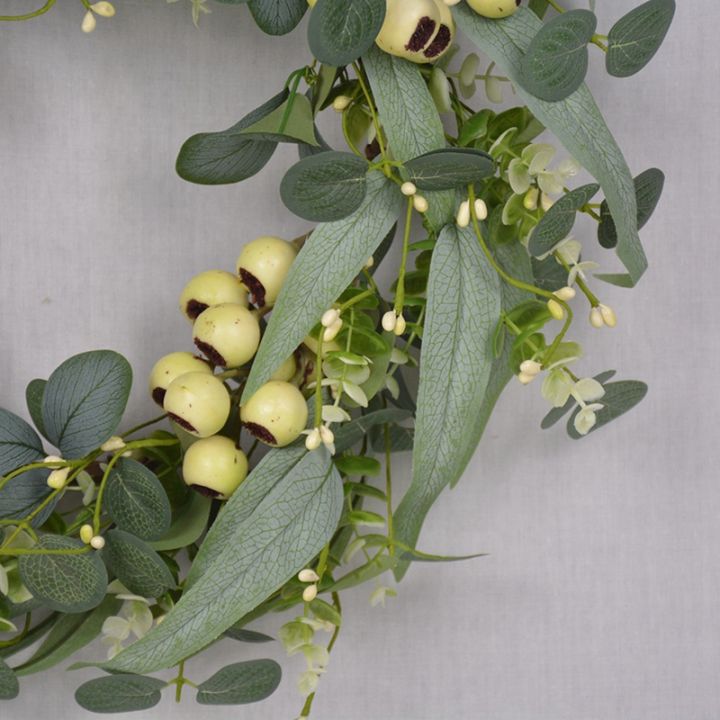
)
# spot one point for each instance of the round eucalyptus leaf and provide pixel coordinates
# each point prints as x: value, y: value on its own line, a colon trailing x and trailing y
x: 137, y: 565
x: 20, y: 496
x: 339, y: 32
x: 241, y: 683
x: 33, y: 398
x: 325, y: 187
x: 556, y: 61
x: 277, y: 17
x: 68, y: 583
x: 449, y: 168
x: 9, y: 685
x: 19, y: 443
x: 119, y: 693
x: 636, y: 37
x: 136, y: 500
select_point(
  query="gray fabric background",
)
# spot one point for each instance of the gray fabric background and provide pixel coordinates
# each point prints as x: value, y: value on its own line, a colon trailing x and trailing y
x: 599, y: 598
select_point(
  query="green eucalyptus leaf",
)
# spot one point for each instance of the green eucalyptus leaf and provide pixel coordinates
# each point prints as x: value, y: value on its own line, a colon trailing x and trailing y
x: 331, y: 257
x: 576, y: 122
x: 636, y: 37
x: 648, y: 190
x: 19, y: 443
x: 323, y: 87
x: 188, y: 523
x: 449, y: 168
x: 539, y: 7
x: 119, y: 693
x: 9, y: 685
x: 549, y: 274
x: 285, y: 530
x: 409, y: 119
x: 290, y: 122
x: 228, y: 156
x: 358, y: 465
x: 84, y: 401
x: 475, y: 127
x: 340, y: 31
x: 558, y: 221
x: 556, y: 60
x: 325, y: 187
x: 401, y: 438
x: 349, y: 434
x: 247, y: 636
x: 464, y: 299
x: 20, y: 496
x: 241, y: 683
x: 34, y: 398
x: 277, y: 17
x: 138, y: 567
x: 35, y: 634
x: 136, y: 500
x: 70, y: 634
x: 69, y: 583
x: 619, y: 397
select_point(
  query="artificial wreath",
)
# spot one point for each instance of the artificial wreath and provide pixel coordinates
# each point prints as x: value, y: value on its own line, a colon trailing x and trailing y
x: 272, y: 490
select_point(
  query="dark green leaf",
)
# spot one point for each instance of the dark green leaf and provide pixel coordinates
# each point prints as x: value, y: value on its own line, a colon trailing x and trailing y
x: 20, y: 496
x: 227, y: 156
x: 618, y: 399
x: 325, y: 187
x: 357, y: 465
x: 137, y: 565
x: 136, y: 500
x: 188, y: 523
x: 248, y: 636
x: 348, y: 434
x: 556, y: 61
x: 277, y: 17
x: 241, y: 683
x: 450, y: 168
x: 401, y: 438
x: 34, y: 397
x: 68, y: 583
x: 637, y: 36
x: 475, y: 127
x: 558, y: 221
x: 288, y: 526
x: 290, y: 122
x: 648, y: 190
x: 340, y: 31
x: 19, y: 443
x: 9, y: 686
x: 119, y: 693
x: 84, y: 401
x: 539, y: 7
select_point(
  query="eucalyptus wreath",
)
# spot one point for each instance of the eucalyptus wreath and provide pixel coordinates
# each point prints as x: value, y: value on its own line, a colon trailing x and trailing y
x: 273, y: 488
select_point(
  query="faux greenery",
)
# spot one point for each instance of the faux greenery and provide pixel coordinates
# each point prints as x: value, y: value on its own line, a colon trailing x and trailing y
x: 164, y: 543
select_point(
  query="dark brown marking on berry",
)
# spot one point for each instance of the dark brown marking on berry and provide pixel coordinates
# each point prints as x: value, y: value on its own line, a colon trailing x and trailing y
x: 423, y: 32
x: 260, y: 432
x: 441, y: 41
x: 256, y: 288
x: 215, y: 357
x: 158, y: 395
x: 184, y: 424
x: 372, y: 150
x: 206, y: 491
x: 194, y: 308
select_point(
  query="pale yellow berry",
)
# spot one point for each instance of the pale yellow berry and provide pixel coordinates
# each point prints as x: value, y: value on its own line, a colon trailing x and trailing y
x: 198, y: 403
x: 228, y: 334
x: 212, y: 287
x: 214, y: 466
x: 494, y: 8
x: 171, y: 366
x: 286, y: 371
x: 263, y: 266
x: 276, y: 414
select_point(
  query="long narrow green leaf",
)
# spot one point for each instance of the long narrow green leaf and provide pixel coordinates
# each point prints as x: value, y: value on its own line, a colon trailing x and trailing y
x: 332, y: 256
x: 409, y: 118
x: 575, y: 121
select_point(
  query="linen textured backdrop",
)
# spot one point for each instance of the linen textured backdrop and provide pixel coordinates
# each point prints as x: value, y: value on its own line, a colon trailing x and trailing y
x: 599, y: 598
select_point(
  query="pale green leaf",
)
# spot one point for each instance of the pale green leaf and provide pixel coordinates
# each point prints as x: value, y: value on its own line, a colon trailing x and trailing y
x: 290, y: 122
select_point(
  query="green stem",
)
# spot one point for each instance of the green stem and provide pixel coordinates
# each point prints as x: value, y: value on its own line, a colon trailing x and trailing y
x: 556, y: 6
x: 388, y: 486
x: 371, y: 107
x: 30, y: 15
x: 20, y: 636
x: 318, y: 380
x: 358, y: 298
x: 400, y: 292
x: 142, y: 426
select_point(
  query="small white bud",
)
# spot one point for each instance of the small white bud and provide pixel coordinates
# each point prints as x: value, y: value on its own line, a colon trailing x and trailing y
x: 565, y: 293
x: 370, y: 262
x: 525, y: 378
x: 400, y: 325
x: 308, y: 575
x: 481, y: 211
x: 463, y: 214
x: 310, y: 593
x: 87, y: 533
x: 608, y: 315
x: 329, y: 317
x: 103, y: 9
x: 332, y: 332
x: 420, y: 203
x: 556, y: 309
x: 313, y: 440
x: 326, y: 435
x: 596, y: 318
x: 98, y: 542
x: 113, y: 444
x: 53, y: 459
x: 341, y: 102
x: 389, y: 321
x: 530, y: 367
x: 88, y: 22
x: 57, y: 478
x: 408, y: 189
x: 530, y: 201
x: 546, y: 202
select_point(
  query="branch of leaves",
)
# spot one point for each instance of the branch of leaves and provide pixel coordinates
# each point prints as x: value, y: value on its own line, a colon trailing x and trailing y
x: 556, y: 61
x: 332, y: 185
